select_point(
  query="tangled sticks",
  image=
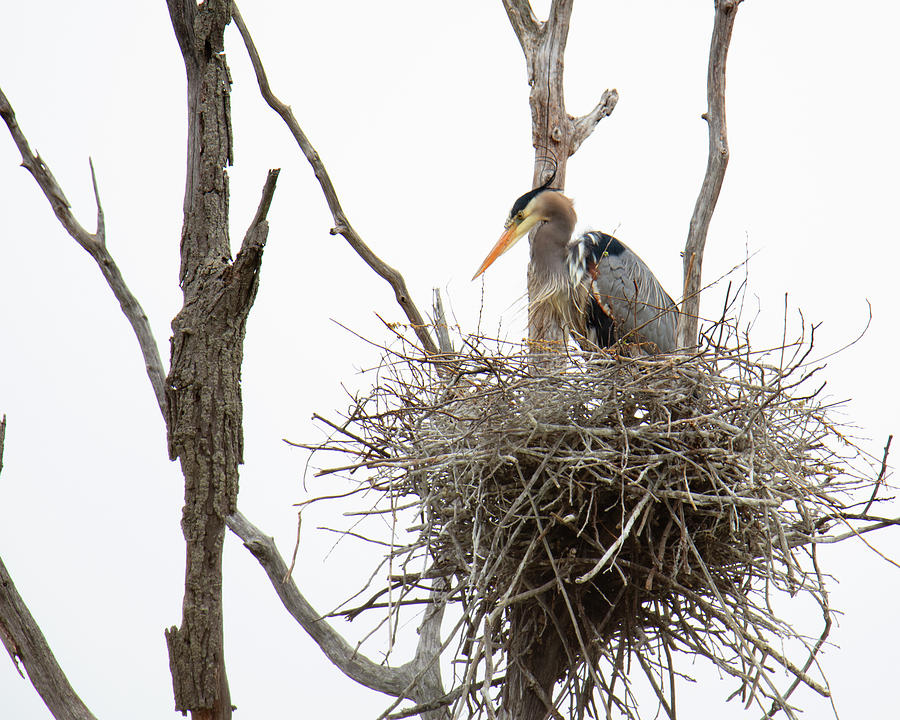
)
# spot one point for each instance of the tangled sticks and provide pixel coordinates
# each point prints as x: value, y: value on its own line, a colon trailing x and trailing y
x: 608, y: 510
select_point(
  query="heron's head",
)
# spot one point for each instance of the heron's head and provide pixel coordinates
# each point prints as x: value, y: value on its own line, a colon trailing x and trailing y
x: 536, y: 205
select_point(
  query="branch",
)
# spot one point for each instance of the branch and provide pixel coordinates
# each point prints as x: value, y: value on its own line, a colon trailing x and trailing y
x: 25, y: 643
x: 342, y: 224
x: 441, y: 329
x: 726, y: 11
x: 249, y: 257
x: 524, y: 24
x: 585, y: 124
x: 95, y: 245
x: 262, y: 211
x: 388, y: 680
x: 560, y: 16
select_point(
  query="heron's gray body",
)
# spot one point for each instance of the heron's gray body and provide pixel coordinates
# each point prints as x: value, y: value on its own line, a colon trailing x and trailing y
x: 606, y: 272
x: 593, y: 288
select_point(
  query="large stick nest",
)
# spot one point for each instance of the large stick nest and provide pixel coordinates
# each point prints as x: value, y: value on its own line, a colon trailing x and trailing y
x: 589, y: 511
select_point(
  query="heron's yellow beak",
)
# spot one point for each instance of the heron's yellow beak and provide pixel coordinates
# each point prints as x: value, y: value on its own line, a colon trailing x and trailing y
x: 509, y: 238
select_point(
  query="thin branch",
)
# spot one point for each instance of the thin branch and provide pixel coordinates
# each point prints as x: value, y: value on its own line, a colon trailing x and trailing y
x: 717, y: 161
x: 2, y: 439
x: 389, y: 680
x: 95, y: 245
x: 884, y: 459
x: 635, y: 514
x: 441, y: 328
x: 342, y: 224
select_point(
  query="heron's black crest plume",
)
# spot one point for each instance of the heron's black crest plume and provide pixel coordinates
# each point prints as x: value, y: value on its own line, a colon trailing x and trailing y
x: 520, y: 204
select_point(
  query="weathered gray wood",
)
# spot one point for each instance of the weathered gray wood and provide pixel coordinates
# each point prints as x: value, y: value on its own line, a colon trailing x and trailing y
x: 441, y: 329
x: 27, y: 645
x: 204, y: 407
x: 555, y: 134
x: 342, y: 225
x: 717, y: 161
x: 95, y: 245
x: 418, y: 680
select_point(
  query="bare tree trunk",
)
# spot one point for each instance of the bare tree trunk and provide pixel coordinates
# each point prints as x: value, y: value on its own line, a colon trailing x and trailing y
x: 204, y: 410
x: 556, y: 135
x: 533, y: 670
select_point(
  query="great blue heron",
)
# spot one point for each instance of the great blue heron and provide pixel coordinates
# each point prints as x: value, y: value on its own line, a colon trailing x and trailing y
x: 593, y: 286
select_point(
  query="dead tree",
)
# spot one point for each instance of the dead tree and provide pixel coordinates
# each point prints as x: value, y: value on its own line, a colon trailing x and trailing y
x: 201, y: 397
x: 203, y: 393
x: 557, y: 135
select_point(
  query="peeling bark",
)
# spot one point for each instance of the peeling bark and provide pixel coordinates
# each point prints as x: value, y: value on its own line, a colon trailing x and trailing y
x: 555, y: 134
x: 203, y: 392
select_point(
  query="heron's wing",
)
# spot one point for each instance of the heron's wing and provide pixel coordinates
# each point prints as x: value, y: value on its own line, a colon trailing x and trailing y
x: 619, y: 295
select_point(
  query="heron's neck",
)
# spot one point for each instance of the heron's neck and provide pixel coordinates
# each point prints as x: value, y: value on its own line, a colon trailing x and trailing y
x: 548, y: 248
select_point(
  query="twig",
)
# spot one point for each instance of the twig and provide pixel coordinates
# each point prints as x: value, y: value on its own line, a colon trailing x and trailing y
x: 884, y: 457
x: 95, y: 245
x: 290, y: 570
x: 441, y: 328
x: 626, y: 531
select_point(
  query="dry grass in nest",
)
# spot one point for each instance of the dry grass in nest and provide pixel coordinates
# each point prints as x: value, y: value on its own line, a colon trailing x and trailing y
x: 606, y: 512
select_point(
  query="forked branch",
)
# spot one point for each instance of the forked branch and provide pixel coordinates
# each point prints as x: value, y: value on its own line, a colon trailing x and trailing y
x: 342, y: 225
x: 95, y: 244
x: 717, y: 161
x: 555, y: 133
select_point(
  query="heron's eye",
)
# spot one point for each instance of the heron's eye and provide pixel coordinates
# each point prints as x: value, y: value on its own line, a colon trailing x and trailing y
x: 520, y: 216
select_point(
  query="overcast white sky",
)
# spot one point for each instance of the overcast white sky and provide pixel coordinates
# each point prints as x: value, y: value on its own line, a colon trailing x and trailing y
x: 420, y: 111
